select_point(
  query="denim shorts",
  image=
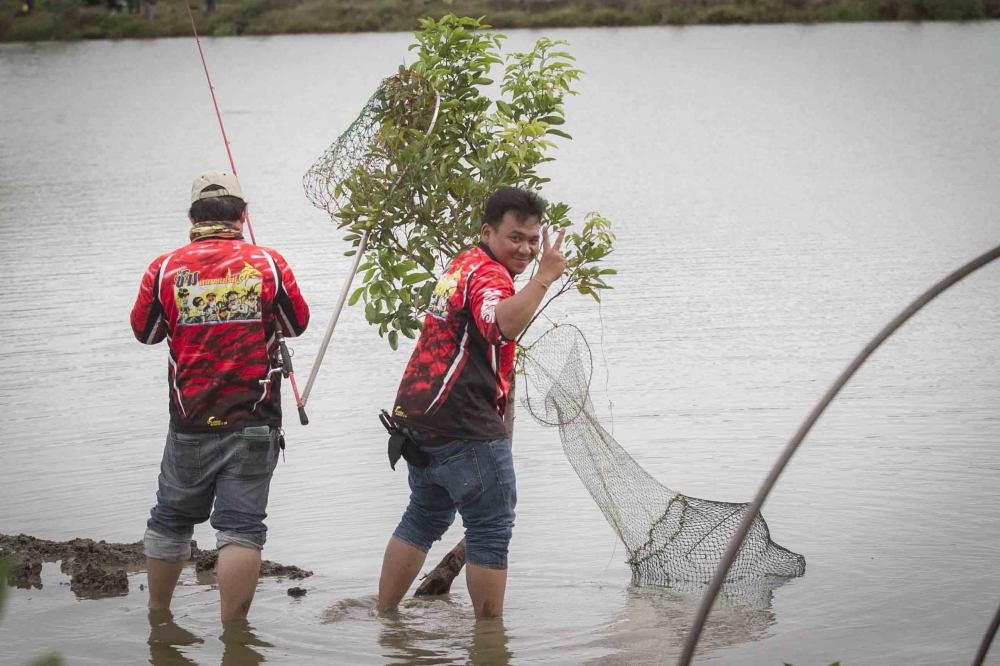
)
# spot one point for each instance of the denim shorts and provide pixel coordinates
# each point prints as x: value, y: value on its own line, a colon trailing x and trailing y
x: 231, y: 469
x: 474, y: 477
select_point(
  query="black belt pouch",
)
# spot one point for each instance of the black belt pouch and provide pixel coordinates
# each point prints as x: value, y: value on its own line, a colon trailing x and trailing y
x: 401, y: 444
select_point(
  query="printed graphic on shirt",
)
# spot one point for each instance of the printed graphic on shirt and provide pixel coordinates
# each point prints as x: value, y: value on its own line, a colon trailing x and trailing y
x: 487, y: 311
x: 215, y: 300
x: 443, y: 291
x: 458, y: 377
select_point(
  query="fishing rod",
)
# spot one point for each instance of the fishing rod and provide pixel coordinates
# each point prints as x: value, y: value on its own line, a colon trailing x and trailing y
x: 218, y: 114
x: 285, y: 357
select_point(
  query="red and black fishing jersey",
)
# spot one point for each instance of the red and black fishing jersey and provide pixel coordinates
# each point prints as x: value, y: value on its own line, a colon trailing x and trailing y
x: 459, y: 375
x: 216, y: 302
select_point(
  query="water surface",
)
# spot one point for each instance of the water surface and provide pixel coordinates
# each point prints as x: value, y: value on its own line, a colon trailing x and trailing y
x: 779, y: 193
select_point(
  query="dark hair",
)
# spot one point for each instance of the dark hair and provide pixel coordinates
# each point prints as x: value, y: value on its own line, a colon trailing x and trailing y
x: 217, y: 209
x: 522, y: 203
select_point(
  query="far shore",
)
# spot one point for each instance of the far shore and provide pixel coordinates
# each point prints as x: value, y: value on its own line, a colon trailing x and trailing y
x: 68, y: 20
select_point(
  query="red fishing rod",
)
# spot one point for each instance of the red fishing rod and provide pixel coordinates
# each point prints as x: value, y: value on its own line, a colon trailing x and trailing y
x: 285, y: 359
x: 218, y: 115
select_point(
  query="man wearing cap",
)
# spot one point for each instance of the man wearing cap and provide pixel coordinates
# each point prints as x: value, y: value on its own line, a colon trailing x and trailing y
x: 225, y: 402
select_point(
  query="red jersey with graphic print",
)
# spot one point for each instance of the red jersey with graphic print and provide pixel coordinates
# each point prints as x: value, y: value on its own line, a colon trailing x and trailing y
x: 216, y: 302
x: 459, y: 375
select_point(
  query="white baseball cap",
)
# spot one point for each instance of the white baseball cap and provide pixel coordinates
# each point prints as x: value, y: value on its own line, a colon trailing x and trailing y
x: 222, y: 179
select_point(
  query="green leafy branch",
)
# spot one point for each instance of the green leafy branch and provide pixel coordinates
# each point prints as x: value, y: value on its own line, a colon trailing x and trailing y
x: 584, y: 252
x: 419, y: 196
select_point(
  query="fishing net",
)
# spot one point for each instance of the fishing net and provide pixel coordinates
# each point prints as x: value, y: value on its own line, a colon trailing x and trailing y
x: 668, y: 536
x: 403, y: 104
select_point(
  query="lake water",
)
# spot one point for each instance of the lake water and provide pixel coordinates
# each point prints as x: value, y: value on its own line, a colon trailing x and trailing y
x: 779, y: 193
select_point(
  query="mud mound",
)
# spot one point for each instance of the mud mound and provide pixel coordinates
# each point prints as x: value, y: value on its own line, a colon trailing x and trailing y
x: 99, y: 568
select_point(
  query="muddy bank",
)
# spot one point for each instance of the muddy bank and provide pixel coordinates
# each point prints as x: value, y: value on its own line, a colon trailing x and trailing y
x: 100, y: 569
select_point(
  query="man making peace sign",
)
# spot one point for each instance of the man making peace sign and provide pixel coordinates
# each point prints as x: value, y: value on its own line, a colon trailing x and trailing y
x: 453, y: 396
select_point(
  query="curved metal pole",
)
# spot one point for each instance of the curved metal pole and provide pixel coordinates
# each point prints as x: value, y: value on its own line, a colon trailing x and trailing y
x: 737, y: 541
x: 987, y: 640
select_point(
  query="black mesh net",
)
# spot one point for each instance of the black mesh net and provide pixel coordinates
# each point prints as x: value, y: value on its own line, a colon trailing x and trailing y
x: 668, y: 536
x: 404, y: 103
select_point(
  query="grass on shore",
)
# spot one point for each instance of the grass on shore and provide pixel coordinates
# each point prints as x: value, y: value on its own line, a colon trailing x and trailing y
x: 91, y: 19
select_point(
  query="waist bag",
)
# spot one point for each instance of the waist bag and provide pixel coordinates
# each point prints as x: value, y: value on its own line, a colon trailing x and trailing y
x: 401, y: 443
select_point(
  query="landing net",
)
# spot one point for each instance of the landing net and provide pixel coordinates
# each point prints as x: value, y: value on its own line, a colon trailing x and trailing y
x: 668, y: 536
x: 403, y: 104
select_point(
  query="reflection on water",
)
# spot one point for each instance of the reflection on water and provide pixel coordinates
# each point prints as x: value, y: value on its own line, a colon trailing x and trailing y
x: 239, y: 641
x: 756, y: 592
x: 490, y: 643
x: 428, y: 631
x: 455, y: 639
x: 655, y: 620
x: 793, y: 200
x: 167, y: 640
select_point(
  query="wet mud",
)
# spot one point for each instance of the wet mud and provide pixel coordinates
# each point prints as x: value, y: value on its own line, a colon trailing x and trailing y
x: 100, y: 569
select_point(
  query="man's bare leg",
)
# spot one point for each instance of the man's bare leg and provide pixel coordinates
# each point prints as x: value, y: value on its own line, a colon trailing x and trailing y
x: 162, y: 577
x: 400, y: 567
x: 237, y: 571
x: 486, y: 587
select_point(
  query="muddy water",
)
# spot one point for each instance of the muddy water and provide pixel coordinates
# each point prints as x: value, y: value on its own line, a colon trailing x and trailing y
x: 779, y: 193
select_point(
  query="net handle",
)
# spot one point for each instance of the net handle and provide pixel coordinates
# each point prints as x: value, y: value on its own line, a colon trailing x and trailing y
x: 362, y: 243
x: 362, y: 246
x: 705, y: 607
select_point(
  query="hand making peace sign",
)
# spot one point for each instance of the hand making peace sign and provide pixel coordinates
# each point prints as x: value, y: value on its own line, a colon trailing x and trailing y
x: 552, y: 263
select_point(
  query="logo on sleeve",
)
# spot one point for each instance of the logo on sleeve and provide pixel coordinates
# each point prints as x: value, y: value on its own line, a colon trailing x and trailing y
x: 487, y: 312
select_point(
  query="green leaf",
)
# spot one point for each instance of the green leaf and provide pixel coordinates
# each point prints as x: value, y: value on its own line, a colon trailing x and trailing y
x: 414, y: 278
x: 421, y: 197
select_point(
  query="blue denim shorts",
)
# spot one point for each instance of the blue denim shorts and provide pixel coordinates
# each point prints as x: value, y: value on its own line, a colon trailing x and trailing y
x: 230, y: 469
x: 474, y: 478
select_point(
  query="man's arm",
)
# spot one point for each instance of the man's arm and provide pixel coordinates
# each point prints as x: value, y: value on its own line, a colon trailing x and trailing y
x: 514, y: 313
x: 148, y: 324
x: 291, y: 309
